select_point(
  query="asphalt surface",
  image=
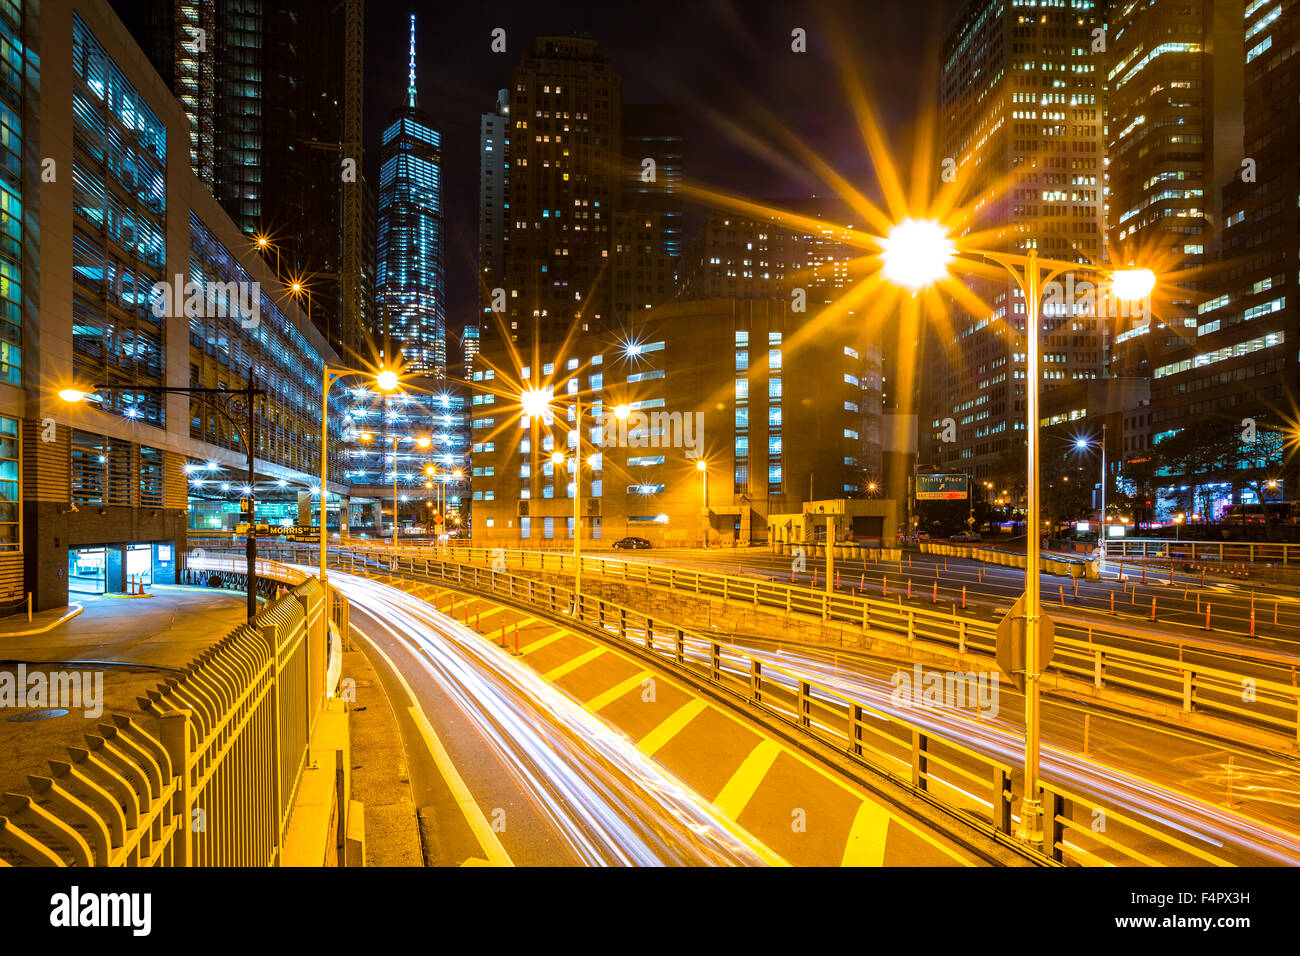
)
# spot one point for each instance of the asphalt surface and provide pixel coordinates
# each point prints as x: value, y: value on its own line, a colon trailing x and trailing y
x: 569, y: 753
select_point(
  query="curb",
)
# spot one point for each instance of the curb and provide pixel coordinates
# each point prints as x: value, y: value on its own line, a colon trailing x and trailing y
x: 41, y: 630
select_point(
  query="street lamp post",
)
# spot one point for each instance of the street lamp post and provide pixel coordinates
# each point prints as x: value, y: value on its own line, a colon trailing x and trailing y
x: 703, y: 469
x: 1101, y: 533
x: 218, y: 399
x: 386, y: 381
x: 916, y: 254
x: 536, y: 402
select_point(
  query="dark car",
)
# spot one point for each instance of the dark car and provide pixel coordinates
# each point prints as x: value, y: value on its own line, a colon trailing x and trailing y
x: 631, y: 543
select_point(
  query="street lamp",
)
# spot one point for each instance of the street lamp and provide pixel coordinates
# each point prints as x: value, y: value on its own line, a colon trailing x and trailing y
x: 703, y: 469
x: 536, y: 402
x: 386, y: 381
x: 915, y: 255
x: 1101, y: 533
x: 219, y: 400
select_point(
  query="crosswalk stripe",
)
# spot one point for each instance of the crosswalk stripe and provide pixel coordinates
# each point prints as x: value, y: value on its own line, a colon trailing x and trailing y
x: 671, y: 726
x: 541, y: 642
x: 555, y: 673
x: 740, y: 788
x: 617, y: 691
x: 867, y: 836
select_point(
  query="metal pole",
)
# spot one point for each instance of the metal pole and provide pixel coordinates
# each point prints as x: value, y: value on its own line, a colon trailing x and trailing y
x: 394, y: 496
x: 1101, y: 551
x: 830, y: 554
x: 324, y: 450
x: 250, y: 548
x: 577, y: 502
x: 704, y: 506
x: 1031, y: 807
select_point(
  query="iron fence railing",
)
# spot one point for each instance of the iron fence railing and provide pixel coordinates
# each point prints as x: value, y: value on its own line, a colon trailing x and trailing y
x: 214, y: 782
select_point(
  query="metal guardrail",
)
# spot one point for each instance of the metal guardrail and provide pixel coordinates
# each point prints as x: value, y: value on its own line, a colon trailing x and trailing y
x: 1223, y: 552
x: 977, y: 787
x: 1105, y: 659
x: 216, y: 786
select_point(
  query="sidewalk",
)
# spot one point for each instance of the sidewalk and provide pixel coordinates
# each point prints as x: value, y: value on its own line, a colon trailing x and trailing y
x: 128, y: 646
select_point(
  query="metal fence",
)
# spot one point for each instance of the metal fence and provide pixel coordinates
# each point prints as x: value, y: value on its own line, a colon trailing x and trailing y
x: 979, y: 788
x: 1258, y: 687
x: 1223, y: 552
x: 214, y: 783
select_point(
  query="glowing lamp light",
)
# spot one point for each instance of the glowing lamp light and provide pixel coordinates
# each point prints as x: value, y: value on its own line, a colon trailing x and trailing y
x: 916, y: 253
x: 1081, y: 443
x: 1132, y: 285
x: 386, y: 380
x: 72, y: 395
x: 536, y: 401
x: 621, y: 412
x: 558, y: 458
x: 424, y: 441
x: 699, y: 465
x: 457, y: 474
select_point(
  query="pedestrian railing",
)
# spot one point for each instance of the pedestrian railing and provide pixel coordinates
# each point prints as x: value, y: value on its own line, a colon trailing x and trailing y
x: 1221, y: 552
x: 978, y: 788
x: 214, y: 782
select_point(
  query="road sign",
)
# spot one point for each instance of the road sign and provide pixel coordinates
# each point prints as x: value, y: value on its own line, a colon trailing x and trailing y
x: 941, y: 487
x: 1011, y: 642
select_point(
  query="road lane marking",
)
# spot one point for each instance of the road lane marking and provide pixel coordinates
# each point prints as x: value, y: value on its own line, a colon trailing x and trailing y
x: 541, y: 642
x: 671, y: 725
x: 618, y: 690
x: 496, y: 853
x: 478, y: 824
x: 744, y: 782
x: 867, y: 836
x: 572, y: 664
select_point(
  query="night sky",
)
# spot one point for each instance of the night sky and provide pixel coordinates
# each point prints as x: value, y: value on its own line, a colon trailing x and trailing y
x: 716, y: 58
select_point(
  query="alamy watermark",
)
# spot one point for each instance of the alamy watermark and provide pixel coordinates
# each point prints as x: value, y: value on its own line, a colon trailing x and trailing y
x: 43, y: 690
x: 223, y: 300
x: 962, y: 690
x: 638, y: 429
x: 1083, y: 297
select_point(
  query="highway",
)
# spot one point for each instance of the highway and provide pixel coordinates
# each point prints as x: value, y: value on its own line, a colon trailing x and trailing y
x: 569, y: 789
x: 990, y: 590
x: 494, y: 736
x: 1234, y: 802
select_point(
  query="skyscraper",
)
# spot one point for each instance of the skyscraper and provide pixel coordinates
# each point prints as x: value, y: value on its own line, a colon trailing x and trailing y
x: 1174, y: 90
x: 563, y: 193
x: 1234, y: 371
x: 409, y: 281
x: 493, y: 202
x: 262, y: 85
x: 648, y: 224
x: 1021, y: 94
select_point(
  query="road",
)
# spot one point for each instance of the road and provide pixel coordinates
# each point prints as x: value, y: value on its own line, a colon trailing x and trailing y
x: 509, y: 757
x: 1231, y: 801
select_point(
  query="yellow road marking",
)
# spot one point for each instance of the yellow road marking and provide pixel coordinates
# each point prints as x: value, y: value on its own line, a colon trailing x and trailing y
x: 496, y: 853
x: 617, y: 691
x: 671, y: 725
x: 482, y: 830
x: 573, y: 664
x: 866, y: 844
x: 541, y: 642
x: 740, y: 788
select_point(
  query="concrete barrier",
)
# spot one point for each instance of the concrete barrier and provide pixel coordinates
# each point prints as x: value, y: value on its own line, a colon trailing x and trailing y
x: 1051, y: 564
